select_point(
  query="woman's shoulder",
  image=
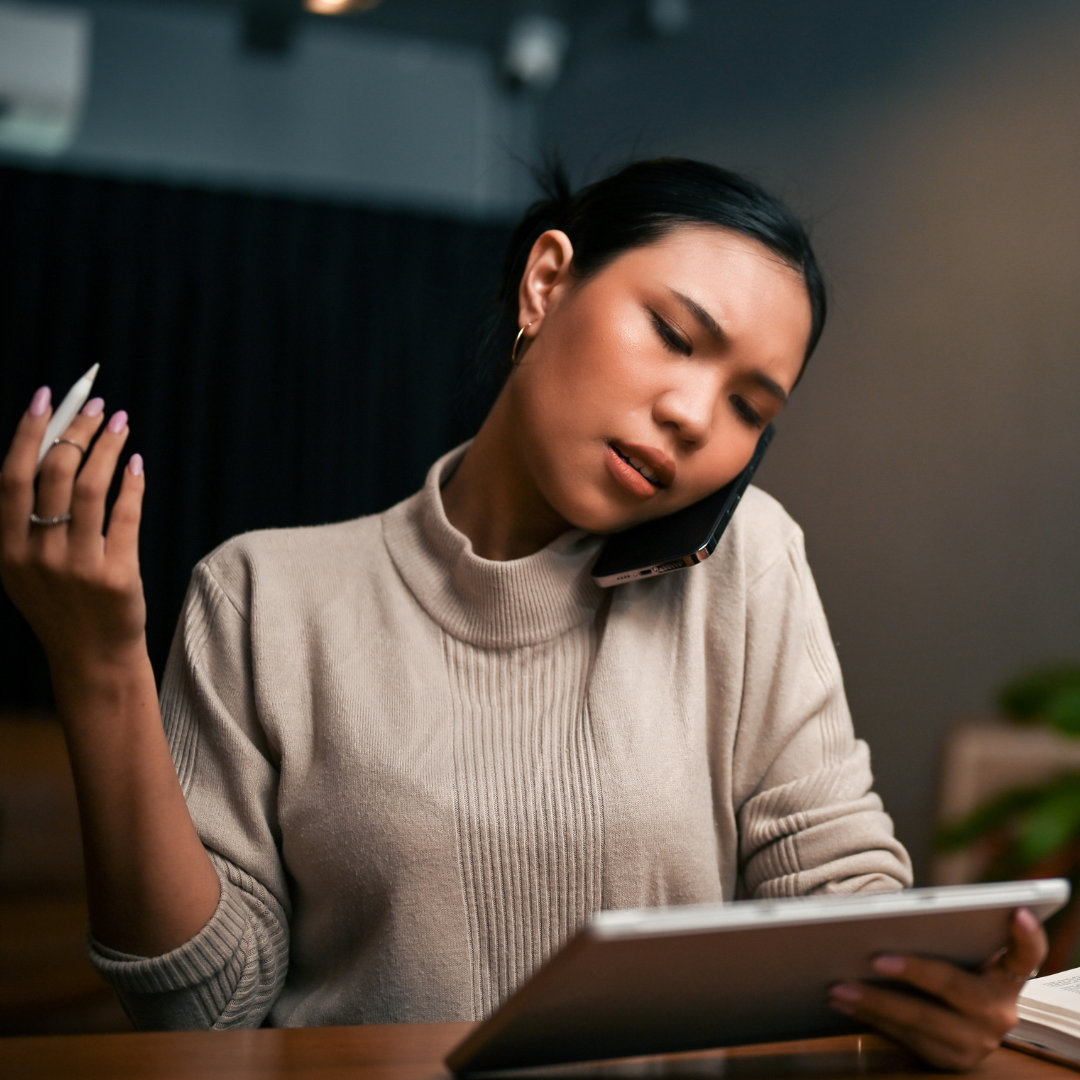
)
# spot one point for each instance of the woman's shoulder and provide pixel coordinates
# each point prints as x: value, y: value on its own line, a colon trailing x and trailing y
x: 762, y: 543
x: 759, y: 568
x: 765, y: 511
x: 303, y: 540
x: 762, y: 533
x: 296, y: 553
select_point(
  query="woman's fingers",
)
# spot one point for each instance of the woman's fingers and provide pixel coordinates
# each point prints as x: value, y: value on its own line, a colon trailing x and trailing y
x: 90, y: 488
x: 955, y: 1017
x: 122, y: 541
x: 976, y: 992
x: 939, y: 1035
x: 964, y: 991
x: 61, y: 464
x: 17, y: 473
x: 1024, y: 954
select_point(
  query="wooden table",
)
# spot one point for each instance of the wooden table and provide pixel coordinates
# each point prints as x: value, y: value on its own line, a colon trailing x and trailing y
x: 415, y: 1052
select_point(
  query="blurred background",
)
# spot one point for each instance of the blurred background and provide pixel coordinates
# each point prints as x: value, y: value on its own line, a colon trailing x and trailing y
x: 277, y: 226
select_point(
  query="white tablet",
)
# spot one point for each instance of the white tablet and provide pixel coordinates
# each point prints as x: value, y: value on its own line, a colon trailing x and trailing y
x: 660, y: 980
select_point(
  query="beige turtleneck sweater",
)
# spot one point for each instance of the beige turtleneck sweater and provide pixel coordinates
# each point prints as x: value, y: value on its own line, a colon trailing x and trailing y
x: 417, y: 771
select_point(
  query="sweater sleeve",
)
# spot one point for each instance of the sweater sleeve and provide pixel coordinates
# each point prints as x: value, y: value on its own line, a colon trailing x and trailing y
x: 229, y: 974
x: 808, y: 819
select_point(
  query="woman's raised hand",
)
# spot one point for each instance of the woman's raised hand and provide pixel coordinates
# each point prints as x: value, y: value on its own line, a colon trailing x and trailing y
x: 150, y: 884
x: 76, y: 582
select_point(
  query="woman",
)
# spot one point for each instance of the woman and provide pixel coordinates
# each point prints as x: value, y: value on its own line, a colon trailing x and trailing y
x: 407, y: 755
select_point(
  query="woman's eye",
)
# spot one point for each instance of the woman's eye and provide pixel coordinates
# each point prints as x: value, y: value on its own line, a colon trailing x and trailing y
x: 747, y: 412
x: 670, y: 337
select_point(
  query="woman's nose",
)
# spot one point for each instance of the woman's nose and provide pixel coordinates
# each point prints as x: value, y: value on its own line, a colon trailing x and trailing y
x: 688, y: 408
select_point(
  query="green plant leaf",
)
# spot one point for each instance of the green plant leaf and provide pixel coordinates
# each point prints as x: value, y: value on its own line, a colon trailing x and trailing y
x: 988, y: 818
x: 1049, y: 825
x: 1063, y: 710
x: 1028, y: 697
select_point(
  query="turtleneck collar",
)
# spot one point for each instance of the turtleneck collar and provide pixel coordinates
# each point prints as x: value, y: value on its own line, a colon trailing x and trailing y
x: 488, y: 603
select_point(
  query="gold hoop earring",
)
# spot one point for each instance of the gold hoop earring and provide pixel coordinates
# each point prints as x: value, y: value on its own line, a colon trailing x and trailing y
x: 517, y: 343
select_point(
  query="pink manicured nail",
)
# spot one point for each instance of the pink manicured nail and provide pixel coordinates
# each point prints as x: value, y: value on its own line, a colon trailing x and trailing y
x: 845, y: 994
x: 888, y: 964
x: 136, y: 464
x: 1026, y: 919
x: 94, y: 407
x: 39, y: 404
x: 118, y: 422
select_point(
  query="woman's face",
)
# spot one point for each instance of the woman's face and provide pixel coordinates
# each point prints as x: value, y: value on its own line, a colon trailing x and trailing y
x: 646, y: 386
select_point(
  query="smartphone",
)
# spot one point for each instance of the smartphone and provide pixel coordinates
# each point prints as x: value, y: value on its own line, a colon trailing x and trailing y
x: 677, y: 540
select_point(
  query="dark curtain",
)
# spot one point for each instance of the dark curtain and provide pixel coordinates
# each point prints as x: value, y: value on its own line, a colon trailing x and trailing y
x: 284, y: 361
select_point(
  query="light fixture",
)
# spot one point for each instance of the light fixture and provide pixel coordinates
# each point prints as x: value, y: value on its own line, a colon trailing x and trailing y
x: 338, y: 7
x: 535, y: 50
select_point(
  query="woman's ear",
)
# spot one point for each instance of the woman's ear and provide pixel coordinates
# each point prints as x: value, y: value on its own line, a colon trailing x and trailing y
x: 547, y: 272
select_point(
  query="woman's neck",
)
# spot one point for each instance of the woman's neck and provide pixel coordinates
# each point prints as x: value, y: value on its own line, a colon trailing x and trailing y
x: 492, y: 498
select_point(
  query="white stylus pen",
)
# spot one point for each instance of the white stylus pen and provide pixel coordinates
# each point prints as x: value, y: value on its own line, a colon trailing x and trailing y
x: 66, y: 411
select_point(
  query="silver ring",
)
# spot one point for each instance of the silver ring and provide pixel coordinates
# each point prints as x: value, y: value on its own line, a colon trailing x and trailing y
x: 60, y: 519
x: 70, y: 442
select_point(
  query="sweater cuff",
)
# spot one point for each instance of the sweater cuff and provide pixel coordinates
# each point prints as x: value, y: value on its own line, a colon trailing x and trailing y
x: 208, y: 967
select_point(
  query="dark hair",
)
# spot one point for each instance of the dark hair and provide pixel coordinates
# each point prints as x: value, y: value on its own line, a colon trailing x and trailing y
x: 641, y: 203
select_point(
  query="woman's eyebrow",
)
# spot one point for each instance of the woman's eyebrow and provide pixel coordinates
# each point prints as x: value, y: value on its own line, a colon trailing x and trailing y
x: 770, y: 386
x: 702, y: 316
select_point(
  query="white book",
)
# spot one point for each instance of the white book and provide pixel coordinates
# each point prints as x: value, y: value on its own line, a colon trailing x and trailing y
x: 1049, y: 1011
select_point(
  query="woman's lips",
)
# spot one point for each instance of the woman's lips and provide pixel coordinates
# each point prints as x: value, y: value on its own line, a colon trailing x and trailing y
x: 640, y: 469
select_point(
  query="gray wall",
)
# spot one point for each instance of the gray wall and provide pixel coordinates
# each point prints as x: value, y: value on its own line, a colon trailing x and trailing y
x: 380, y: 117
x: 933, y: 452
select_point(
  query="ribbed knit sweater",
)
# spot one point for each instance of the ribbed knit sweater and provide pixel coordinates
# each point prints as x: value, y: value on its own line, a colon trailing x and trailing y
x: 417, y: 771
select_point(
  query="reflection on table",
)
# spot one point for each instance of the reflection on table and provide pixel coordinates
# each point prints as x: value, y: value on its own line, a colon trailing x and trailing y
x: 416, y: 1052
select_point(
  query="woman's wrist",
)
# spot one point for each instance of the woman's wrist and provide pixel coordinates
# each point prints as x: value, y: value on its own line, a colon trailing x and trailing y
x: 94, y: 679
